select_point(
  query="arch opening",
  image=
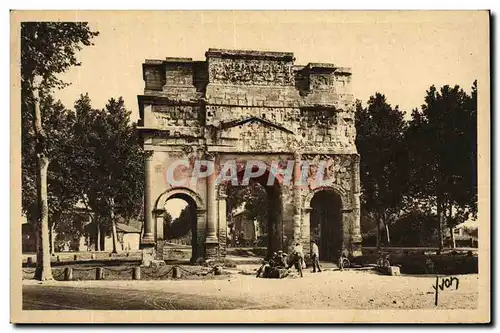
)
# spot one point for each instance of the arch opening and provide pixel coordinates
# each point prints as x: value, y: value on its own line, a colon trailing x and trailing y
x: 254, y: 213
x: 326, y: 224
x: 180, y: 222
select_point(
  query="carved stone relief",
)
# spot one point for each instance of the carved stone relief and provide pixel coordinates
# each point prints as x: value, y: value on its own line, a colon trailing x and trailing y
x: 251, y: 72
x: 337, y: 170
x: 321, y: 81
x: 176, y: 115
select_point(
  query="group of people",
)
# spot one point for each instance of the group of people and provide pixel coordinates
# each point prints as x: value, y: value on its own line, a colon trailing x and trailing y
x: 280, y: 262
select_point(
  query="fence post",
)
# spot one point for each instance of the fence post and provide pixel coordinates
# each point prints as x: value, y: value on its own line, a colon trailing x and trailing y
x: 176, y: 272
x: 136, y: 273
x: 99, y: 273
x: 68, y: 274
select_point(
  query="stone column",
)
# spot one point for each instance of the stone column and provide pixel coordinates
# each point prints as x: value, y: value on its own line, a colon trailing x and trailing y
x: 356, y: 213
x: 347, y: 230
x: 159, y: 239
x: 297, y: 205
x: 305, y: 229
x: 198, y: 248
x: 148, y: 238
x: 211, y: 241
x: 222, y: 223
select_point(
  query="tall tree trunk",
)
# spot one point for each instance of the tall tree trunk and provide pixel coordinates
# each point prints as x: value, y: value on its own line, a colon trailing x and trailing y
x: 98, y: 236
x: 113, y: 225
x: 378, y: 233
x: 43, y: 270
x: 52, y: 239
x: 115, y: 236
x: 440, y: 223
x: 452, y: 235
x: 387, y: 233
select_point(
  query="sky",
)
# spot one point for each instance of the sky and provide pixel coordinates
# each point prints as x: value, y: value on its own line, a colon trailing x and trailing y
x: 174, y: 207
x: 399, y: 55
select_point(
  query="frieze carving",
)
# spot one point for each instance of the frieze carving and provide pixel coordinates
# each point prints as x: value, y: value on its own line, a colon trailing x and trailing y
x: 251, y: 72
x: 176, y: 115
x: 321, y: 81
x: 305, y: 129
x: 337, y: 170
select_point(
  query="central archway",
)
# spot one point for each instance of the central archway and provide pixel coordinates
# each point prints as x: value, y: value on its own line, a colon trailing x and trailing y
x: 271, y: 232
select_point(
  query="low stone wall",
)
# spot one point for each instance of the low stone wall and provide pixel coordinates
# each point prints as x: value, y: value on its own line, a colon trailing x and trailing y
x: 71, y: 257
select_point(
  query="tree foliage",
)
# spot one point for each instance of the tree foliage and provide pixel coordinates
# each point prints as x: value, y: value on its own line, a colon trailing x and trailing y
x: 181, y: 226
x: 442, y: 139
x: 47, y: 49
x: 421, y: 170
x: 58, y: 124
x: 256, y: 203
x: 383, y: 164
x: 50, y: 48
x: 109, y: 161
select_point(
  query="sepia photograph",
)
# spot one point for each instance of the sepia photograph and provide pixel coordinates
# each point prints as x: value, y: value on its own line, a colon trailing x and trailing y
x: 250, y: 166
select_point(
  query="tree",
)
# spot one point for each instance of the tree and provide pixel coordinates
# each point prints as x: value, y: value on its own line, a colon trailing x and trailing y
x: 181, y: 226
x: 256, y: 203
x: 47, y: 49
x: 110, y: 163
x: 167, y: 222
x: 442, y: 141
x: 415, y: 228
x: 383, y: 166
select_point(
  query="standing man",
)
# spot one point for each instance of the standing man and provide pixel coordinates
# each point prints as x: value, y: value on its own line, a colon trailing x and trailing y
x: 315, y: 256
x: 297, y: 259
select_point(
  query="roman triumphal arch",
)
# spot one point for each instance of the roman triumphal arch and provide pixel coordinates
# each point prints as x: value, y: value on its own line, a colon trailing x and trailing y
x: 250, y: 105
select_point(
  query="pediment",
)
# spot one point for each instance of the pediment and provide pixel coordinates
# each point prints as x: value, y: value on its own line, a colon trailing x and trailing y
x: 253, y: 121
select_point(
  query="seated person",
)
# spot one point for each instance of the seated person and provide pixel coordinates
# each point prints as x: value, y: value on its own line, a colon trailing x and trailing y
x: 264, y: 269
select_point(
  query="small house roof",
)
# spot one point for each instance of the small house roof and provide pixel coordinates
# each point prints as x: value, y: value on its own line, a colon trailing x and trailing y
x: 126, y: 228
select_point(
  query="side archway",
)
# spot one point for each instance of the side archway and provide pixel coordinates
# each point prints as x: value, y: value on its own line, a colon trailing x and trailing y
x: 179, y: 193
x: 324, y: 219
x: 197, y: 216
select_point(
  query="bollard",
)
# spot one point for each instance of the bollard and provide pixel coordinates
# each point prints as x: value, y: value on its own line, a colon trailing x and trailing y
x: 30, y: 261
x: 99, y: 273
x: 68, y: 274
x: 136, y: 273
x: 176, y: 272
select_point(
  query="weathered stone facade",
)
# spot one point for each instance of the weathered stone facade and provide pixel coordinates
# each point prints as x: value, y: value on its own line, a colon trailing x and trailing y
x: 249, y: 105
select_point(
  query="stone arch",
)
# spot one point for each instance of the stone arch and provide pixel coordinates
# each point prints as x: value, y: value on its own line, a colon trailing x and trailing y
x: 198, y: 225
x: 181, y: 193
x: 275, y: 234
x: 333, y: 188
x: 324, y: 220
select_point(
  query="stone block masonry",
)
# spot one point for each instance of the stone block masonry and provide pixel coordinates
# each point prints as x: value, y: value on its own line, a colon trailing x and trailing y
x: 252, y: 105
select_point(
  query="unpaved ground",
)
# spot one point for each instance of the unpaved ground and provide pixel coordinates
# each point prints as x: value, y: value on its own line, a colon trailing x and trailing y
x: 326, y: 290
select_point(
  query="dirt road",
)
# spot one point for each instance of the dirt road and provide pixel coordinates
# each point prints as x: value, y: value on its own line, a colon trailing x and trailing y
x: 326, y: 290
